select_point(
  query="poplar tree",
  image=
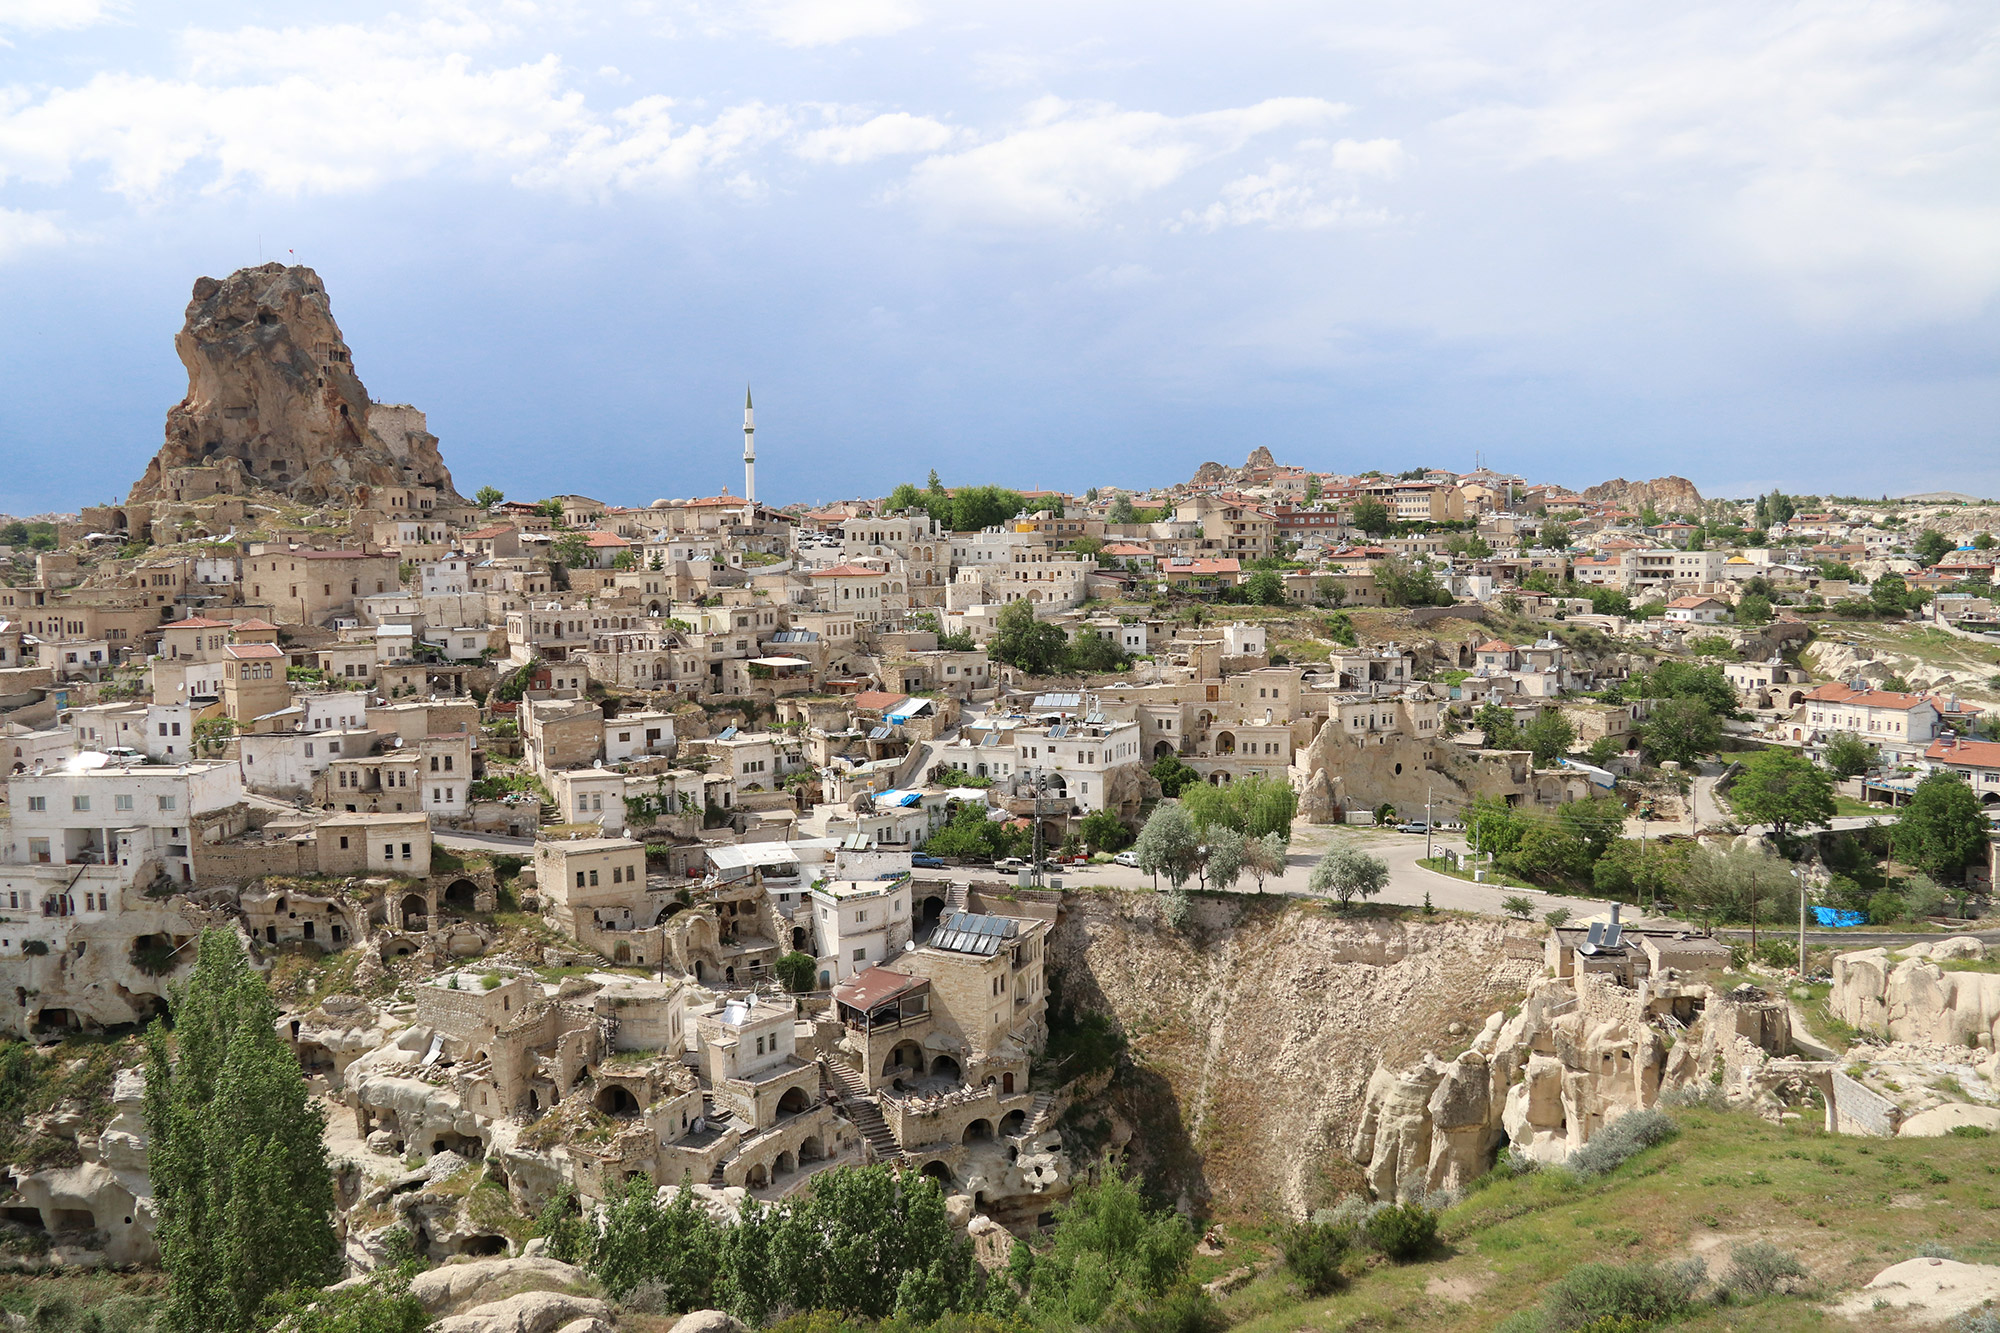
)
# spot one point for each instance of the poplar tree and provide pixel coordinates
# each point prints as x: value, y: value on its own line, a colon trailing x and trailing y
x: 241, y: 1183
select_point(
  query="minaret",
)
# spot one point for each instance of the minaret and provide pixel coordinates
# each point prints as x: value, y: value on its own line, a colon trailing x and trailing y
x: 749, y: 451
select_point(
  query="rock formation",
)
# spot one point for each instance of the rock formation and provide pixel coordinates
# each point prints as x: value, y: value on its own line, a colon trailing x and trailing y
x: 1220, y: 474
x: 274, y: 405
x: 1667, y: 495
x: 1571, y: 1061
x: 1914, y: 1000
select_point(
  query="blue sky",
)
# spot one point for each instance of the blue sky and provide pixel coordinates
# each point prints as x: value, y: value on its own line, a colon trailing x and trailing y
x: 1034, y: 243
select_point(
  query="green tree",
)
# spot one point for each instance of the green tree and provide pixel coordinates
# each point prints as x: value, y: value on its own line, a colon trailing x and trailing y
x: 1264, y: 857
x: 1785, y: 790
x: 1168, y: 844
x: 572, y: 549
x: 1104, y: 831
x: 1848, y: 756
x: 1404, y: 582
x: 1020, y: 640
x: 1932, y: 546
x: 1090, y: 548
x: 488, y: 496
x: 1122, y: 511
x: 1089, y: 651
x: 1942, y: 829
x: 1372, y: 517
x: 1470, y: 545
x: 1889, y: 595
x: 1555, y: 535
x: 1681, y: 730
x: 1265, y: 588
x: 1550, y: 855
x: 675, y: 1247
x: 1223, y: 865
x: 1496, y: 723
x: 851, y: 1241
x: 795, y: 971
x: 1711, y: 645
x: 1109, y: 1251
x: 1738, y: 884
x: 1549, y: 736
x: 1348, y: 873
x: 562, y: 1225
x: 1173, y: 775
x: 550, y: 508
x: 1595, y: 821
x: 241, y: 1184
x: 1753, y: 609
x: 1672, y: 679
x: 1254, y: 806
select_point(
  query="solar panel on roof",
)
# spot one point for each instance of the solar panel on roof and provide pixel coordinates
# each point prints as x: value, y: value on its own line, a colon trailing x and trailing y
x: 1058, y: 731
x: 881, y: 733
x: 727, y: 734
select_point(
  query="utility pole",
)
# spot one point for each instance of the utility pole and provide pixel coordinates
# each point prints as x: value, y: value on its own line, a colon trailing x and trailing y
x: 1429, y: 822
x: 1800, y: 871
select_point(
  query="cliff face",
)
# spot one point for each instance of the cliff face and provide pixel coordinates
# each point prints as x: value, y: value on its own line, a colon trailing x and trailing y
x: 1667, y: 495
x: 1254, y: 1030
x: 271, y: 386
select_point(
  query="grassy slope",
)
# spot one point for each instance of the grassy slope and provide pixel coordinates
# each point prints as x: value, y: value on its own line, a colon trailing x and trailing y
x: 1848, y: 1206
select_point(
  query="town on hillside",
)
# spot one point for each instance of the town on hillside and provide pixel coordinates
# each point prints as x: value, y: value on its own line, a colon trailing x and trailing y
x: 584, y: 841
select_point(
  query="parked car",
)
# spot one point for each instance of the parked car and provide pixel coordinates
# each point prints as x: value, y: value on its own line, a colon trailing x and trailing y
x: 1129, y: 859
x: 1008, y: 865
x: 925, y: 861
x: 1414, y: 826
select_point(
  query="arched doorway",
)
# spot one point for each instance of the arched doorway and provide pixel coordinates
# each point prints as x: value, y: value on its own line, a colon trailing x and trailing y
x: 785, y: 1165
x: 933, y: 910
x: 794, y: 1101
x: 939, y: 1172
x: 798, y: 937
x: 811, y: 1150
x: 1013, y: 1123
x: 1163, y: 749
x: 461, y: 895
x: 1225, y: 742
x: 977, y: 1131
x: 416, y: 912
x: 616, y: 1099
x: 757, y: 1178
x: 945, y: 1067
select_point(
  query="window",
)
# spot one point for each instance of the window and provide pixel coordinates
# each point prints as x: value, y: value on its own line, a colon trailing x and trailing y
x: 343, y: 842
x: 38, y: 802
x: 861, y: 955
x: 406, y: 851
x: 121, y: 802
x: 593, y: 879
x: 79, y: 803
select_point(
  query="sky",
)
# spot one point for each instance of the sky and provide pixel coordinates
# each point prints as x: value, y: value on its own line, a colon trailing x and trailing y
x: 1038, y: 244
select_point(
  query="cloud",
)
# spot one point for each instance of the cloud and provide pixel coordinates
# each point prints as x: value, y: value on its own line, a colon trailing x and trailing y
x: 830, y: 22
x: 1313, y: 191
x: 21, y: 231
x: 45, y: 15
x: 1069, y: 163
x: 895, y: 133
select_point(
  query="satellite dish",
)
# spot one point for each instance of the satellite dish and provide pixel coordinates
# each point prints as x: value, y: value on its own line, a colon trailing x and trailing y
x: 909, y: 946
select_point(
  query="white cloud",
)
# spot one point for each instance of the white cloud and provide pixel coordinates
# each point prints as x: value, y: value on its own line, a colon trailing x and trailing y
x: 44, y: 15
x: 21, y: 231
x: 1069, y: 163
x: 830, y: 22
x: 895, y: 133
x: 1311, y: 191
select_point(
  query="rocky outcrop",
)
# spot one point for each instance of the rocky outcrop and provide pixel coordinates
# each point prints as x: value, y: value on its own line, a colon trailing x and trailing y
x: 1667, y: 495
x: 1255, y: 1027
x: 458, y: 1288
x: 1574, y: 1059
x: 274, y: 405
x: 101, y: 1210
x: 1220, y: 474
x: 1914, y: 1000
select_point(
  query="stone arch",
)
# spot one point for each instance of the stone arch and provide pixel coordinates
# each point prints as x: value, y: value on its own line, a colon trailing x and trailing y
x: 946, y: 1067
x: 757, y: 1177
x: 811, y: 1149
x: 1225, y: 742
x: 785, y: 1165
x: 616, y: 1099
x: 1163, y: 749
x: 415, y: 911
x: 939, y: 1172
x: 1013, y: 1123
x: 907, y: 1056
x: 461, y: 895
x: 978, y: 1131
x: 932, y: 909
x: 799, y: 938
x: 794, y: 1101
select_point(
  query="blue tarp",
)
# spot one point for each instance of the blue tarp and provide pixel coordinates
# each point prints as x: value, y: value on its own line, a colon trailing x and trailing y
x: 1836, y: 916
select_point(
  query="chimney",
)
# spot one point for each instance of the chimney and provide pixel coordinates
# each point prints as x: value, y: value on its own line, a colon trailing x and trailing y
x: 1614, y: 912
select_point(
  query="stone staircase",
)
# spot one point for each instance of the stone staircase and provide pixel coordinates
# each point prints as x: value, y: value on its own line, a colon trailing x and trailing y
x: 954, y: 898
x: 862, y: 1108
x: 1041, y: 1114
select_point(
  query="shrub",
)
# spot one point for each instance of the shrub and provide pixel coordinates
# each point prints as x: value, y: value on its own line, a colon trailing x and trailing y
x: 1556, y: 916
x: 1760, y: 1268
x: 1885, y: 908
x: 1619, y: 1141
x: 1706, y: 1096
x: 1598, y: 1295
x: 1313, y: 1251
x: 1777, y: 953
x: 1518, y: 907
x: 1403, y: 1231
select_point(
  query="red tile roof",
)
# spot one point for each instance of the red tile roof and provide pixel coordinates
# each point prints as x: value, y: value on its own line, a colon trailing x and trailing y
x: 1837, y: 693
x: 848, y: 572
x: 249, y: 650
x: 877, y: 699
x: 1973, y: 754
x: 198, y: 622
